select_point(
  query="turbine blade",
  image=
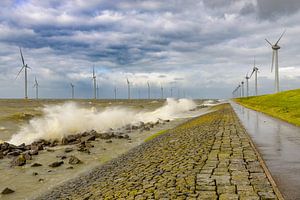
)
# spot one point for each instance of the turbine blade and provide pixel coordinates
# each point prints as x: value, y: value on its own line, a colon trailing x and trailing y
x: 20, y: 72
x: 273, y: 56
x: 280, y: 37
x: 252, y: 72
x: 22, y: 57
x: 269, y: 42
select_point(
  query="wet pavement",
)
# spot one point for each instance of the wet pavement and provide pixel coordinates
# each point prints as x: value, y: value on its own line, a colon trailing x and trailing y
x: 279, y: 145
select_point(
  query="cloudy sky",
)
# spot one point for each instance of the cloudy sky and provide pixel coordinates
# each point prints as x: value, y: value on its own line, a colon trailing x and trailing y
x: 202, y: 48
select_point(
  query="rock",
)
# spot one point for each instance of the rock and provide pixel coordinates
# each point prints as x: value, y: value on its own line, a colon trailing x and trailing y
x: 74, y: 161
x: 70, y: 139
x: 41, y: 180
x: 27, y: 155
x: 88, y: 138
x: 34, y: 152
x: 50, y: 150
x: 16, y: 152
x: 126, y: 136
x: 53, y: 143
x: 109, y: 141
x: 34, y: 174
x: 61, y: 157
x: 18, y: 161
x: 70, y: 167
x: 106, y: 135
x: 56, y: 164
x: 1, y: 155
x: 68, y: 149
x: 36, y: 165
x: 7, y: 191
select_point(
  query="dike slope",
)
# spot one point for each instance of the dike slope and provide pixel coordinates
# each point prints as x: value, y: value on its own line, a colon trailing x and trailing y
x: 209, y: 157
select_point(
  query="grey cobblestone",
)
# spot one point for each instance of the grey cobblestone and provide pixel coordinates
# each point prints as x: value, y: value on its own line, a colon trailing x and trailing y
x: 209, y: 157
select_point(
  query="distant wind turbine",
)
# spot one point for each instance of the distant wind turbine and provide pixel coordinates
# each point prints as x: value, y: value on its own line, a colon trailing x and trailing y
x: 25, y: 67
x: 171, y: 92
x: 148, y: 90
x: 247, y: 84
x: 36, y: 86
x: 128, y: 86
x: 242, y: 85
x: 255, y: 70
x: 162, y: 91
x: 115, y: 91
x: 94, y: 80
x: 275, y: 47
x: 97, y: 91
x: 72, y: 88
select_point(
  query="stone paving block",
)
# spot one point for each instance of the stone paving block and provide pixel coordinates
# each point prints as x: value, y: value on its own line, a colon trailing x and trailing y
x: 227, y: 196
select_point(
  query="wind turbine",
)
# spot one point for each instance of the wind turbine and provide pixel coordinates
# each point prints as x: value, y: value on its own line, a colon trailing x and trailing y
x: 255, y: 70
x: 94, y: 79
x: 162, y: 91
x: 128, y: 86
x: 72, y: 87
x: 247, y: 84
x: 25, y: 67
x: 36, y: 86
x: 115, y: 91
x: 242, y: 91
x: 148, y: 89
x: 275, y: 48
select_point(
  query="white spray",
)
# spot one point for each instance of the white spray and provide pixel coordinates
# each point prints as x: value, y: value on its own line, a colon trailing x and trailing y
x: 59, y: 121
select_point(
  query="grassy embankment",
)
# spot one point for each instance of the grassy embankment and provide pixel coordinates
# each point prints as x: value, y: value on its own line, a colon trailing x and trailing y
x: 284, y: 105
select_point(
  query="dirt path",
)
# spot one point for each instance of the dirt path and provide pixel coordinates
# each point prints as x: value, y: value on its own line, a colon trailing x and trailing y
x: 210, y: 157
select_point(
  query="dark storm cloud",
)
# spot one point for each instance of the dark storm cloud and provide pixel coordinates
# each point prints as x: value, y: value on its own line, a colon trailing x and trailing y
x: 202, y: 42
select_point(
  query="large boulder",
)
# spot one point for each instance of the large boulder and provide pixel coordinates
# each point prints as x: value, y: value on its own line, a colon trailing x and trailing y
x: 18, y: 161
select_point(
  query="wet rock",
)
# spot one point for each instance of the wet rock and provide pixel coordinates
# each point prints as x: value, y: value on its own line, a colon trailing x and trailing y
x: 88, y: 138
x: 109, y: 141
x: 36, y: 165
x: 53, y: 143
x: 37, y: 145
x: 70, y: 139
x: 74, y: 160
x: 7, y: 191
x: 27, y: 155
x: 71, y: 167
x: 34, y: 152
x: 56, y: 164
x: 1, y: 155
x: 68, y: 149
x: 18, y: 161
x: 16, y: 152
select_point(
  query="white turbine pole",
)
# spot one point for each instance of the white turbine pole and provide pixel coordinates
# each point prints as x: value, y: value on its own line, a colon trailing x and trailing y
x: 275, y: 49
x: 247, y: 85
x: 115, y: 91
x: 148, y: 90
x: 171, y: 92
x: 128, y: 85
x: 72, y: 90
x: 162, y: 91
x: 97, y: 91
x: 242, y: 88
x: 256, y: 90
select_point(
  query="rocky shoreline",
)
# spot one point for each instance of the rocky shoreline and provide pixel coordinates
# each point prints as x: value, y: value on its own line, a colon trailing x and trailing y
x: 210, y: 157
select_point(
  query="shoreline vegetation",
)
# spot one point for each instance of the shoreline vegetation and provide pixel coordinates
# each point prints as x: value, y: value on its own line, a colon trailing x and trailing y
x: 283, y: 105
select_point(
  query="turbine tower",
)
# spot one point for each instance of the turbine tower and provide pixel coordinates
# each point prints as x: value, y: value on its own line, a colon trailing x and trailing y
x: 128, y: 86
x: 247, y: 84
x: 97, y: 91
x: 275, y: 47
x: 115, y: 91
x: 162, y: 91
x: 94, y: 79
x: 148, y: 90
x: 36, y: 86
x: 255, y: 70
x: 25, y: 67
x: 72, y: 87
x: 242, y: 91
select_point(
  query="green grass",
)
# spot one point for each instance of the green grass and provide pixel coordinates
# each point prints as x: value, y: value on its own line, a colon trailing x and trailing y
x: 284, y: 105
x: 155, y: 135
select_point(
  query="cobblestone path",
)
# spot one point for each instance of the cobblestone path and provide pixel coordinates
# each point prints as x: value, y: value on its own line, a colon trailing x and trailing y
x: 209, y: 157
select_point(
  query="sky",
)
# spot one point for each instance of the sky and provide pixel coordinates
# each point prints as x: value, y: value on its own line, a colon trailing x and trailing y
x: 199, y: 48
